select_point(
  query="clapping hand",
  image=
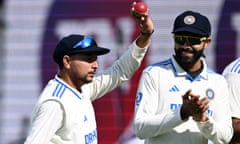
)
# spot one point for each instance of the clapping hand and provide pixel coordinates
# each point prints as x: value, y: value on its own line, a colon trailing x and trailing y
x: 194, y: 106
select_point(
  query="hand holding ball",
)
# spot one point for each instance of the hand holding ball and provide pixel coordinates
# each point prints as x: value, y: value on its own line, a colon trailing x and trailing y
x: 140, y: 14
x: 140, y: 7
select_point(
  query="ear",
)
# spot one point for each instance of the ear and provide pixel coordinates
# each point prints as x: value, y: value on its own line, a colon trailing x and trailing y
x: 66, y: 61
x: 207, y: 42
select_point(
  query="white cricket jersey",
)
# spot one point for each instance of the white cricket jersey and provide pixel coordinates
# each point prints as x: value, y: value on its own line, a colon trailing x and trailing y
x: 159, y: 99
x: 63, y: 115
x: 232, y: 74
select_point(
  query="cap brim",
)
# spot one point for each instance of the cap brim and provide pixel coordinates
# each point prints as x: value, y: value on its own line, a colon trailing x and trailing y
x: 190, y: 30
x: 93, y: 50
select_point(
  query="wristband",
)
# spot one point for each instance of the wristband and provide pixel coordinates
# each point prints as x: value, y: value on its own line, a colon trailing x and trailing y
x: 147, y: 34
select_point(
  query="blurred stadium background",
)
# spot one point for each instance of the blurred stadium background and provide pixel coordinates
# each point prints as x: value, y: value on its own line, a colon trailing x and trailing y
x: 30, y: 29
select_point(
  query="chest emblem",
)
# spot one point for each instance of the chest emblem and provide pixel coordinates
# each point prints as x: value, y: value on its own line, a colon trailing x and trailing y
x: 210, y: 93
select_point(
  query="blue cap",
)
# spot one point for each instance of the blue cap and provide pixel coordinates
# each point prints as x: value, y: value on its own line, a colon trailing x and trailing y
x: 192, y: 22
x: 75, y: 44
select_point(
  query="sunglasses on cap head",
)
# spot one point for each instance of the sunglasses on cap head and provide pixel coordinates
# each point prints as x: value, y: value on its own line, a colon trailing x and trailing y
x: 86, y: 42
x: 193, y: 40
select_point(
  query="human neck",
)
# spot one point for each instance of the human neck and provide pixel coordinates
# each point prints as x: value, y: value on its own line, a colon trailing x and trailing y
x: 71, y: 82
x: 196, y: 69
x: 198, y: 66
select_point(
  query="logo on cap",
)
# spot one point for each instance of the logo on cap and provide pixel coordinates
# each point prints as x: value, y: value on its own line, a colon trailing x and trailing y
x: 189, y: 20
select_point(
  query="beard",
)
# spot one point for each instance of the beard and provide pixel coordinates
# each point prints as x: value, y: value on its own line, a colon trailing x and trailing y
x: 85, y: 80
x: 187, y: 62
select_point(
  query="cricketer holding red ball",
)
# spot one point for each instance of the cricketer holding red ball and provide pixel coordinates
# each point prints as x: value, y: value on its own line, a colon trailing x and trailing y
x: 64, y: 113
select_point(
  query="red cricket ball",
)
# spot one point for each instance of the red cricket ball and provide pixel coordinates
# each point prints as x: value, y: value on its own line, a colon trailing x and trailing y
x: 141, y: 7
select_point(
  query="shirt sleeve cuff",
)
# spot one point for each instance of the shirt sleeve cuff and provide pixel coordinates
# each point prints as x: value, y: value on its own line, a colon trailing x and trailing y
x: 206, y: 127
x: 138, y: 51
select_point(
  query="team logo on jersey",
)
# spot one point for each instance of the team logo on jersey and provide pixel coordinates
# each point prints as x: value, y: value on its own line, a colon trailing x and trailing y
x: 210, y: 93
x: 139, y: 98
x: 85, y: 118
x: 174, y: 89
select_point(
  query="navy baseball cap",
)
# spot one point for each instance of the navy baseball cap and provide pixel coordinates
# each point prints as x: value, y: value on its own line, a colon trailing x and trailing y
x: 75, y: 44
x: 192, y: 22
